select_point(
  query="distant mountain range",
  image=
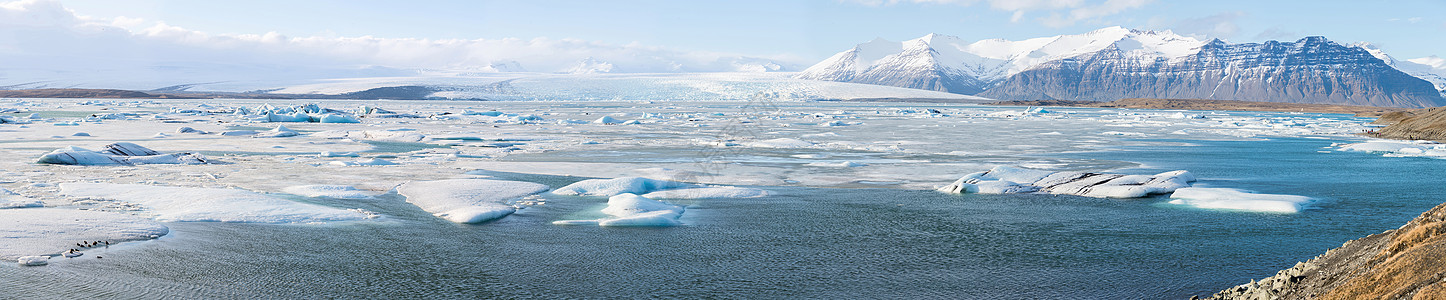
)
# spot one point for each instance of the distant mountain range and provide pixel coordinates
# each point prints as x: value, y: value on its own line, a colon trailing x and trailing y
x: 1115, y: 63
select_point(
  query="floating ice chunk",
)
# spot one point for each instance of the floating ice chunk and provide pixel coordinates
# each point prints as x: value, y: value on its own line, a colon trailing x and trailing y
x: 118, y: 154
x: 238, y: 132
x: 1387, y: 146
x: 780, y: 143
x: 468, y: 200
x: 369, y: 162
x: 50, y: 231
x: 338, y: 118
x: 1010, y: 180
x: 1234, y: 199
x: 185, y: 204
x: 34, y: 260
x: 329, y: 191
x: 607, y: 120
x: 634, y: 210
x: 278, y: 132
x: 833, y: 124
x: 842, y: 164
x: 708, y: 192
x: 338, y: 154
x: 80, y: 134
x: 615, y: 186
x: 481, y: 113
x: 296, y: 117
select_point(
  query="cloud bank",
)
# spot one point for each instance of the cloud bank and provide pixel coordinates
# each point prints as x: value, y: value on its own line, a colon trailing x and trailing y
x: 47, y: 40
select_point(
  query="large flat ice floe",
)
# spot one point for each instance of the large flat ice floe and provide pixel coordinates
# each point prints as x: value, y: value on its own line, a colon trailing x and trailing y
x: 633, y: 211
x: 468, y: 200
x: 655, y: 188
x: 1234, y: 199
x: 1398, y: 148
x: 50, y: 231
x: 118, y: 154
x: 187, y: 204
x: 1011, y: 180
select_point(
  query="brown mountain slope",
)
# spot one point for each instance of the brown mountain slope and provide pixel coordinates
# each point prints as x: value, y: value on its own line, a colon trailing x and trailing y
x: 1403, y: 263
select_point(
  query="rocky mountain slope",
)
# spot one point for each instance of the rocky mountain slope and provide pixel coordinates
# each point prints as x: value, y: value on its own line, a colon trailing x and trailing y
x: 1115, y: 63
x: 1403, y: 263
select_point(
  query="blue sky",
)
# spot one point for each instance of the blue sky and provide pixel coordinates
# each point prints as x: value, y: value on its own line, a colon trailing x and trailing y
x: 800, y: 30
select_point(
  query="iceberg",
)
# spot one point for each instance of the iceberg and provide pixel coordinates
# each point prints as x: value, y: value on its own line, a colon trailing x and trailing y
x: 616, y: 186
x: 34, y: 260
x: 633, y: 210
x: 1234, y: 199
x: 278, y: 132
x: 189, y: 204
x: 1011, y: 180
x: 468, y: 200
x: 122, y: 153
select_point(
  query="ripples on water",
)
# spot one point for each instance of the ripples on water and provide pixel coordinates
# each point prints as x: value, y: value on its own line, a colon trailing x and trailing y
x: 803, y: 243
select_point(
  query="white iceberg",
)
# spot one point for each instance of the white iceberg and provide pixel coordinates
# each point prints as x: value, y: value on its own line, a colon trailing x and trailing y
x: 34, y: 260
x: 607, y: 120
x: 338, y: 118
x: 1234, y: 199
x: 188, y: 204
x: 1010, y: 180
x: 634, y: 210
x: 468, y: 200
x: 278, y: 132
x: 616, y: 186
x: 122, y: 153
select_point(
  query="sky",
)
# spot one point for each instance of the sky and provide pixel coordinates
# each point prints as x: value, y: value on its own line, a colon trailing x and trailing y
x: 62, y: 40
x: 798, y: 30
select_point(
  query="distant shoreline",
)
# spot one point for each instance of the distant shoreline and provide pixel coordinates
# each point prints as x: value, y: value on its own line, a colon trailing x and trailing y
x: 1226, y: 105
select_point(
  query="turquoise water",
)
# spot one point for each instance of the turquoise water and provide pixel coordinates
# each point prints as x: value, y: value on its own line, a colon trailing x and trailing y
x: 802, y: 243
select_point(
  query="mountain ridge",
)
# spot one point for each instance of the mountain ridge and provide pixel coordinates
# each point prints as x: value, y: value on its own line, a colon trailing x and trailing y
x: 1114, y: 63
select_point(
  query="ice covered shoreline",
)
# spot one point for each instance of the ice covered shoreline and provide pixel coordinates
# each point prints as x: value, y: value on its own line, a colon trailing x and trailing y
x: 257, y: 150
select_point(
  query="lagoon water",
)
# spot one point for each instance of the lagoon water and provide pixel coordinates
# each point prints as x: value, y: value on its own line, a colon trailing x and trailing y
x: 801, y: 243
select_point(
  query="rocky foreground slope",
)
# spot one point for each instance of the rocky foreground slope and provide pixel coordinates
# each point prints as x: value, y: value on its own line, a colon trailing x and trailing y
x: 1403, y: 263
x: 1422, y: 124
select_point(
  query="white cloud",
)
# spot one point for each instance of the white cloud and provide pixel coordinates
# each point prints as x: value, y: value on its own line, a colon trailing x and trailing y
x: 1061, y: 13
x: 50, y: 39
x: 1221, y: 25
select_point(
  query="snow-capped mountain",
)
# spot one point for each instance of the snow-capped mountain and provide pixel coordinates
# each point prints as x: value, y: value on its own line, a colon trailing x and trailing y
x: 1431, y: 68
x: 1115, y: 62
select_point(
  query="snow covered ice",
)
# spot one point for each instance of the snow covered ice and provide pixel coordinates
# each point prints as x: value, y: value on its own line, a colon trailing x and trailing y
x: 468, y: 200
x: 189, y: 204
x: 50, y: 231
x: 118, y: 154
x: 629, y: 210
x: 1010, y: 180
x: 1234, y: 199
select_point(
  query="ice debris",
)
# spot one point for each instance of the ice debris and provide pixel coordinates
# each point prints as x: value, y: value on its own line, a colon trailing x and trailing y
x: 468, y: 200
x: 34, y: 260
x: 632, y: 210
x: 615, y: 186
x: 1234, y: 199
x: 123, y: 153
x: 1011, y: 180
